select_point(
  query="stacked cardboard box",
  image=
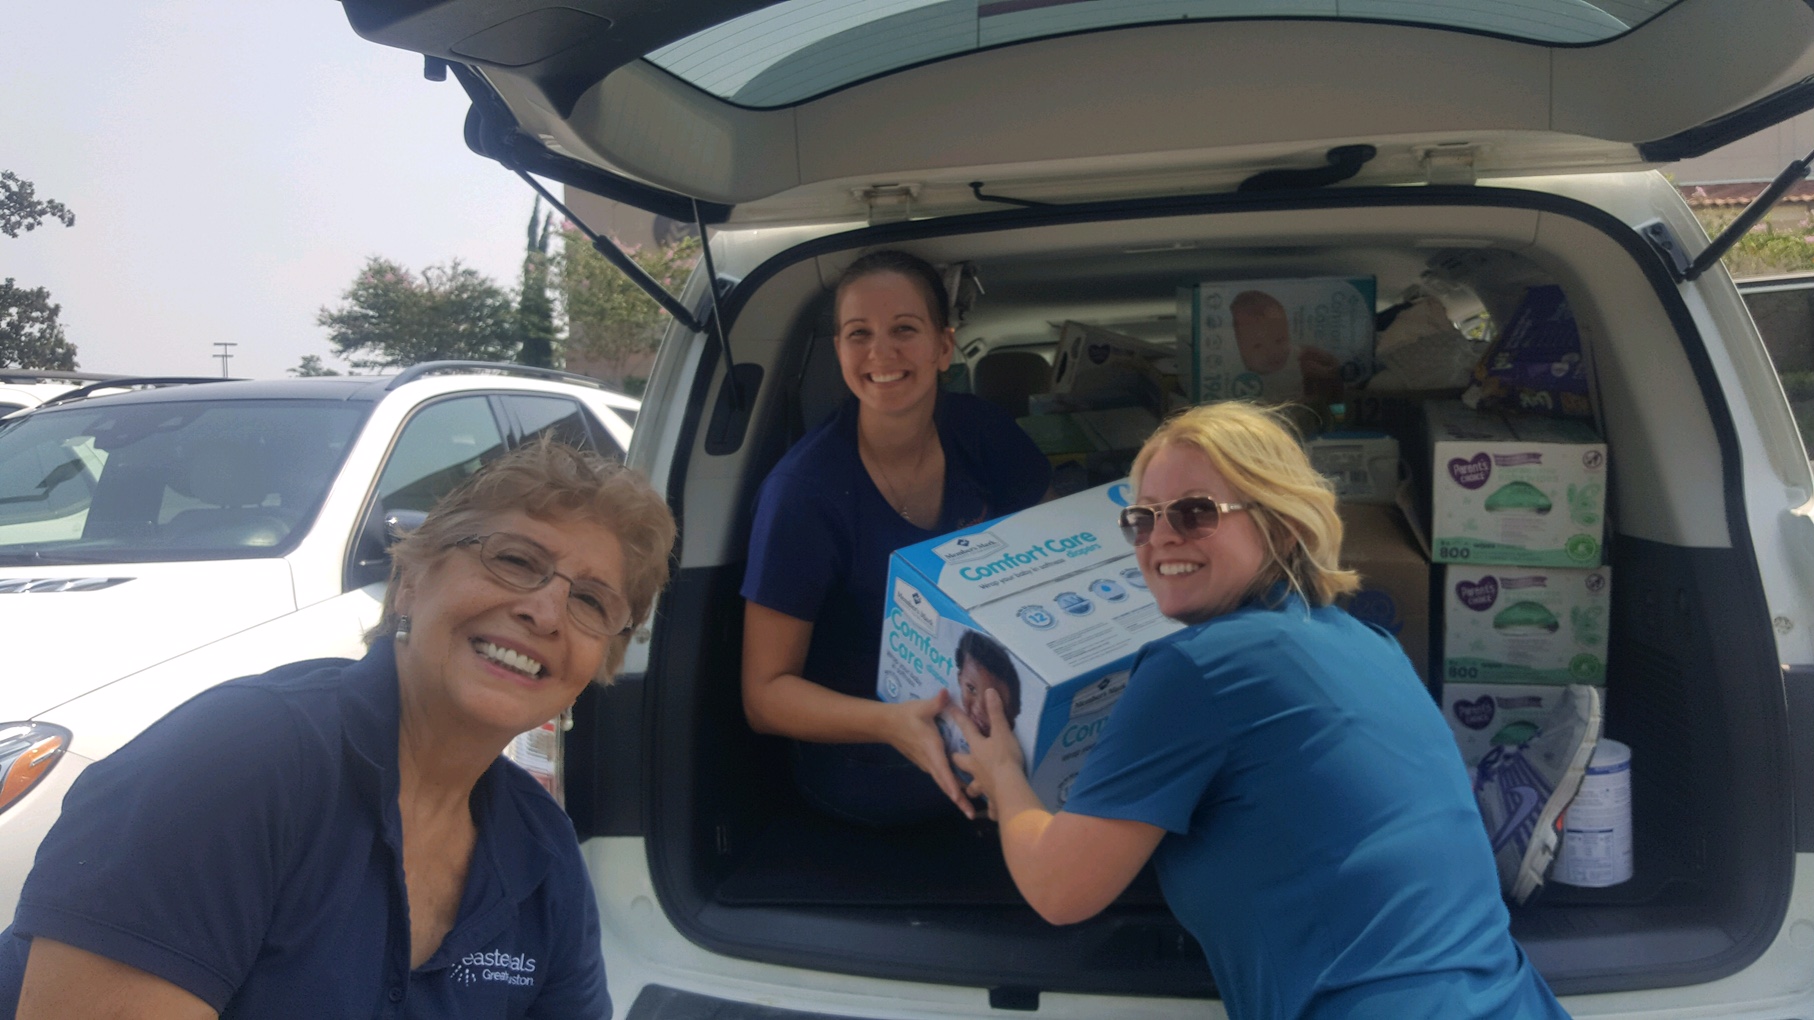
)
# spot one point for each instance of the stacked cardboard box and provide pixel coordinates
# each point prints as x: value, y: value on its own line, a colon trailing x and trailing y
x: 1517, y: 511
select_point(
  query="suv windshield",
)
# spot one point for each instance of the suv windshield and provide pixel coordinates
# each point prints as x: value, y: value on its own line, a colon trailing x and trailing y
x: 798, y: 49
x: 168, y: 480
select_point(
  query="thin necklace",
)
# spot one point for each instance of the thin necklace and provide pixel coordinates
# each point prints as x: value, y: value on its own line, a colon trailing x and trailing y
x: 892, y: 496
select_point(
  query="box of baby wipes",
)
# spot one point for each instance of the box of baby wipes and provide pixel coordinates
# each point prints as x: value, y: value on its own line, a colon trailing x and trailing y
x: 1515, y: 490
x: 1046, y: 607
x: 1483, y: 716
x: 1525, y: 625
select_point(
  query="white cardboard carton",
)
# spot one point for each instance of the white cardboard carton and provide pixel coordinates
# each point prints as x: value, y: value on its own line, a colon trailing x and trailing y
x: 1056, y: 590
x: 1524, y: 491
x: 1525, y: 625
x: 1091, y: 359
x: 1275, y: 340
x: 1481, y: 715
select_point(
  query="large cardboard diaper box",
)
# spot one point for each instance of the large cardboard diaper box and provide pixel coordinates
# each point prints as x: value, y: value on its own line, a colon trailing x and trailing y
x: 1275, y: 340
x: 1522, y: 491
x: 1395, y: 578
x: 1047, y: 606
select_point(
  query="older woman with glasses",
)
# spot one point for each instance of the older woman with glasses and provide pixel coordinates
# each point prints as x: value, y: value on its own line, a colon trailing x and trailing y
x: 339, y: 838
x: 1278, y: 761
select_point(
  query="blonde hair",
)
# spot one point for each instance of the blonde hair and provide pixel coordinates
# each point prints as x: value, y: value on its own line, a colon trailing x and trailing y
x: 1256, y: 449
x: 551, y: 481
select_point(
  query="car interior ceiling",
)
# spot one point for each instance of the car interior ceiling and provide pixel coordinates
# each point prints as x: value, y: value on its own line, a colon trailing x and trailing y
x: 739, y: 860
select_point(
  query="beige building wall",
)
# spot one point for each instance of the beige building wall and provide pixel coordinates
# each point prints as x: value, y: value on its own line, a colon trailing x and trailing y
x: 1759, y: 157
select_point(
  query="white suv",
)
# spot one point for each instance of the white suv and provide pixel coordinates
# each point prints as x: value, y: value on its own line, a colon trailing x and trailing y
x: 158, y: 542
x: 25, y: 388
x: 1085, y: 159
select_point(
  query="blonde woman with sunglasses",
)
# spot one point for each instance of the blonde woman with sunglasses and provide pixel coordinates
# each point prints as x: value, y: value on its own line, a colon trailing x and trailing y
x: 1278, y: 761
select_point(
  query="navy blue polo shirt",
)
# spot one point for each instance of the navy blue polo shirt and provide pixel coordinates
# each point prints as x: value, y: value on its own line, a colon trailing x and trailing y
x: 823, y: 532
x: 1322, y: 841
x: 248, y: 848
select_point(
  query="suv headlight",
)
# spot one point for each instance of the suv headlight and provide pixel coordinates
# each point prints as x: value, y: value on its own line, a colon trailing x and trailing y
x: 28, y: 751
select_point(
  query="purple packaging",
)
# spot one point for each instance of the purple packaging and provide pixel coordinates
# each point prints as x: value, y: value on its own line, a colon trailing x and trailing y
x: 1535, y: 364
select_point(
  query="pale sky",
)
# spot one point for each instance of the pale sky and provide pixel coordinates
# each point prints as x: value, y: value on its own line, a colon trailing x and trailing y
x: 231, y: 164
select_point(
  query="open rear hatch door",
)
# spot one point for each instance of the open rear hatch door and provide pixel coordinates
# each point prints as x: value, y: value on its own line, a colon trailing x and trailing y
x: 813, y: 110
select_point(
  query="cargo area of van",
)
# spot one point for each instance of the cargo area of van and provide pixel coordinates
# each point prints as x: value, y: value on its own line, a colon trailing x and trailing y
x: 1691, y: 678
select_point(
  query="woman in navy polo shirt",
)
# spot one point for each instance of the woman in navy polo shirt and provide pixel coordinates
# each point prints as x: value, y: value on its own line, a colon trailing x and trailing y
x: 338, y: 838
x: 898, y: 464
x: 1279, y: 762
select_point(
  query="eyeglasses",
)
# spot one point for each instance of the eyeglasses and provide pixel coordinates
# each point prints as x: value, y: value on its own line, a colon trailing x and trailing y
x: 594, y: 606
x: 1189, y: 516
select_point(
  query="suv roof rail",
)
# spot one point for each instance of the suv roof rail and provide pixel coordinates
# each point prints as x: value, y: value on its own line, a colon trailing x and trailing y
x: 19, y: 375
x: 428, y: 368
x: 131, y: 382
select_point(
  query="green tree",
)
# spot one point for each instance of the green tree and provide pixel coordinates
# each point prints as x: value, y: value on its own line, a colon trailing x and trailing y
x: 30, y: 336
x: 390, y: 317
x: 608, y: 317
x: 22, y: 210
x: 310, y: 367
x: 535, y: 310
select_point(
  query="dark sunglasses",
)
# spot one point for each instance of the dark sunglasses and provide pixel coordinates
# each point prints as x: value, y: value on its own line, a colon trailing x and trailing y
x: 1189, y: 516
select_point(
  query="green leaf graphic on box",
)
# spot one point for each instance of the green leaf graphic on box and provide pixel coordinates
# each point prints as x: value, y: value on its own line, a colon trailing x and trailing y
x: 1516, y: 733
x: 1584, y: 504
x: 1586, y: 621
x: 1526, y: 616
x: 1518, y: 496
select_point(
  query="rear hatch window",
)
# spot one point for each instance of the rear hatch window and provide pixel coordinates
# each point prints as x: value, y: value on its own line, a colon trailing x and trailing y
x: 794, y: 51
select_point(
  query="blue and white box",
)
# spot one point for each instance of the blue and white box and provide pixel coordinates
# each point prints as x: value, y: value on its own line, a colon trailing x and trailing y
x: 1048, y: 605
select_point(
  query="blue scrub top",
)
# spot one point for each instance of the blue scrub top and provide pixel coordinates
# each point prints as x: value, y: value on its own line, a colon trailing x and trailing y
x: 1322, y: 841
x: 248, y: 848
x: 823, y: 532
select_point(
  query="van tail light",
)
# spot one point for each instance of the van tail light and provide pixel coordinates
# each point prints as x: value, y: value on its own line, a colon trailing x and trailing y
x: 28, y: 751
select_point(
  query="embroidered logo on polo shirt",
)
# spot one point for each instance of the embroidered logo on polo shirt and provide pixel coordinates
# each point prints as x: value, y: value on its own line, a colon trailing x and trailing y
x: 493, y: 967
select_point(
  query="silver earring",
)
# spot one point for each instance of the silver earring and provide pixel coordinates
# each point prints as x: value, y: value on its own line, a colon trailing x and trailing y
x: 402, y: 632
x: 566, y: 718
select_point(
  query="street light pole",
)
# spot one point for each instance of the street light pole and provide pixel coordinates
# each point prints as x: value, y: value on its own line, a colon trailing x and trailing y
x: 225, y: 355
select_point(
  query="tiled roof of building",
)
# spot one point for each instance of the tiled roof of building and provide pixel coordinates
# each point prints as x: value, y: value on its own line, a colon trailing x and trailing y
x: 1719, y: 196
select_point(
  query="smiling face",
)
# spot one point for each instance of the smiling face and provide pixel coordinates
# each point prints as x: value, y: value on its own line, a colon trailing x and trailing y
x: 890, y: 348
x: 1194, y: 579
x: 493, y: 657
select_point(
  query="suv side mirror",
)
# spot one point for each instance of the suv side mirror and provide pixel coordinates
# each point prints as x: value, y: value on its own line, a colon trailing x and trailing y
x: 370, y: 562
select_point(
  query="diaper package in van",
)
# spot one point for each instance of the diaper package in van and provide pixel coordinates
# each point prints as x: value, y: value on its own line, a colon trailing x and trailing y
x: 1517, y: 490
x: 1046, y: 606
x: 1525, y: 625
x: 1275, y: 340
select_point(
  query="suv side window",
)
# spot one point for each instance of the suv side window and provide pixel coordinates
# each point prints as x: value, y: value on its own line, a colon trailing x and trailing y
x: 442, y: 446
x: 1785, y: 317
x: 565, y: 419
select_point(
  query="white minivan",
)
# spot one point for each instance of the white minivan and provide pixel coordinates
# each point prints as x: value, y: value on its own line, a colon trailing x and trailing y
x: 1080, y: 160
